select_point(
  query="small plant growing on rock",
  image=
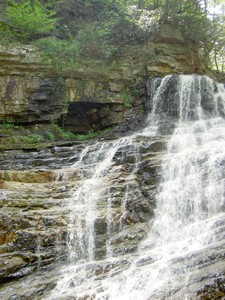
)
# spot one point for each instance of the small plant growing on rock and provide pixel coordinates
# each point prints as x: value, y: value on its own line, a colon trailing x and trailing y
x: 9, y: 126
x: 32, y: 139
x: 49, y: 136
x: 72, y: 136
x: 127, y: 100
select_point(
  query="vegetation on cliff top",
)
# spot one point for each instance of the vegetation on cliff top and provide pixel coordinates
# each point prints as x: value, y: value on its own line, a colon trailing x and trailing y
x: 27, y: 20
x: 70, y: 30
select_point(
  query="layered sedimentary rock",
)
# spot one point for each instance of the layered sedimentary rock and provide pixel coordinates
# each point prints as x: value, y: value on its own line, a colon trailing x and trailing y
x: 36, y: 202
x: 139, y: 215
x: 27, y: 91
x: 91, y: 95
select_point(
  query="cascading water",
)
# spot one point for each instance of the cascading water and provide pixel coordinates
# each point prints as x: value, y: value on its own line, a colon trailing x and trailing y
x: 84, y: 209
x: 146, y: 213
x: 189, y: 218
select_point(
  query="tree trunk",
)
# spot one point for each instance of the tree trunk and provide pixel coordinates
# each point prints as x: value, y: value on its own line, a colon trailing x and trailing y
x: 165, y: 16
x: 215, y: 60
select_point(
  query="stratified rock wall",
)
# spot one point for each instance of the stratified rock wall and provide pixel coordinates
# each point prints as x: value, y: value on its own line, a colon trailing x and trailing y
x: 59, y: 203
x: 27, y: 91
x: 35, y: 202
x: 90, y: 95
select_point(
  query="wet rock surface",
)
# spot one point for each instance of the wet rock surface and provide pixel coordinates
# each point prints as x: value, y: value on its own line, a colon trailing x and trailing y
x: 35, y: 193
x: 51, y: 158
x: 51, y: 200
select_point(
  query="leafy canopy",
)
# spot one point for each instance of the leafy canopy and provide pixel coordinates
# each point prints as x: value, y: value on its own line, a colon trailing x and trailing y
x: 201, y: 21
x: 114, y: 25
x: 28, y: 19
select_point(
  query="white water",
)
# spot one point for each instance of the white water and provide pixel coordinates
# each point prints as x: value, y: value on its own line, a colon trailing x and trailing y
x: 83, y: 211
x: 85, y: 195
x: 190, y: 202
x: 189, y: 205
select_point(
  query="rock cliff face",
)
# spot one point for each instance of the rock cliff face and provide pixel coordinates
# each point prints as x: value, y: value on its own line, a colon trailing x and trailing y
x: 91, y: 96
x: 36, y: 200
x: 99, y: 95
x: 75, y: 219
x: 38, y: 187
x: 27, y: 92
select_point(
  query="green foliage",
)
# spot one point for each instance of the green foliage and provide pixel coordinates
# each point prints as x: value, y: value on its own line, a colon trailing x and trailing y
x: 106, y: 38
x: 6, y: 34
x: 49, y: 136
x: 9, y: 126
x: 71, y: 136
x: 93, y: 41
x: 61, y: 53
x: 127, y: 100
x: 104, y: 4
x: 29, y: 139
x: 191, y: 19
x: 113, y: 25
x: 17, y: 137
x: 122, y: 23
x: 214, y: 50
x: 202, y: 21
x: 20, y: 137
x: 27, y: 19
x: 90, y: 135
x: 32, y: 139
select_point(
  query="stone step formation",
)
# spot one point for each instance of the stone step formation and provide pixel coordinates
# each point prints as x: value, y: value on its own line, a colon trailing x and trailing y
x: 141, y: 216
x: 34, y: 203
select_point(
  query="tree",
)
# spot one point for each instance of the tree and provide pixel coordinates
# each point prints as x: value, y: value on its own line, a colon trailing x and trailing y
x: 28, y: 19
x: 216, y: 44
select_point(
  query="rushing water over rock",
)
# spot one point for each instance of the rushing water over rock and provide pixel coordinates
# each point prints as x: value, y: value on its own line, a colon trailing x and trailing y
x: 190, y: 205
x: 145, y: 218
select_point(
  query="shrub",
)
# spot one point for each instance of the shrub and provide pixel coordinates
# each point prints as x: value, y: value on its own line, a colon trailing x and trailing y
x: 32, y: 139
x: 93, y: 41
x: 49, y: 136
x: 72, y: 136
x: 9, y: 126
x: 28, y: 19
x: 61, y: 53
x: 127, y: 100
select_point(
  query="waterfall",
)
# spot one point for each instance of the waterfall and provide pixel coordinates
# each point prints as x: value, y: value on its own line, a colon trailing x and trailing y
x: 184, y: 242
x: 192, y: 187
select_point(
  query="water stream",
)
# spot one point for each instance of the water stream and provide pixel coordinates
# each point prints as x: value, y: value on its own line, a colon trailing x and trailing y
x: 132, y: 236
x: 189, y: 217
